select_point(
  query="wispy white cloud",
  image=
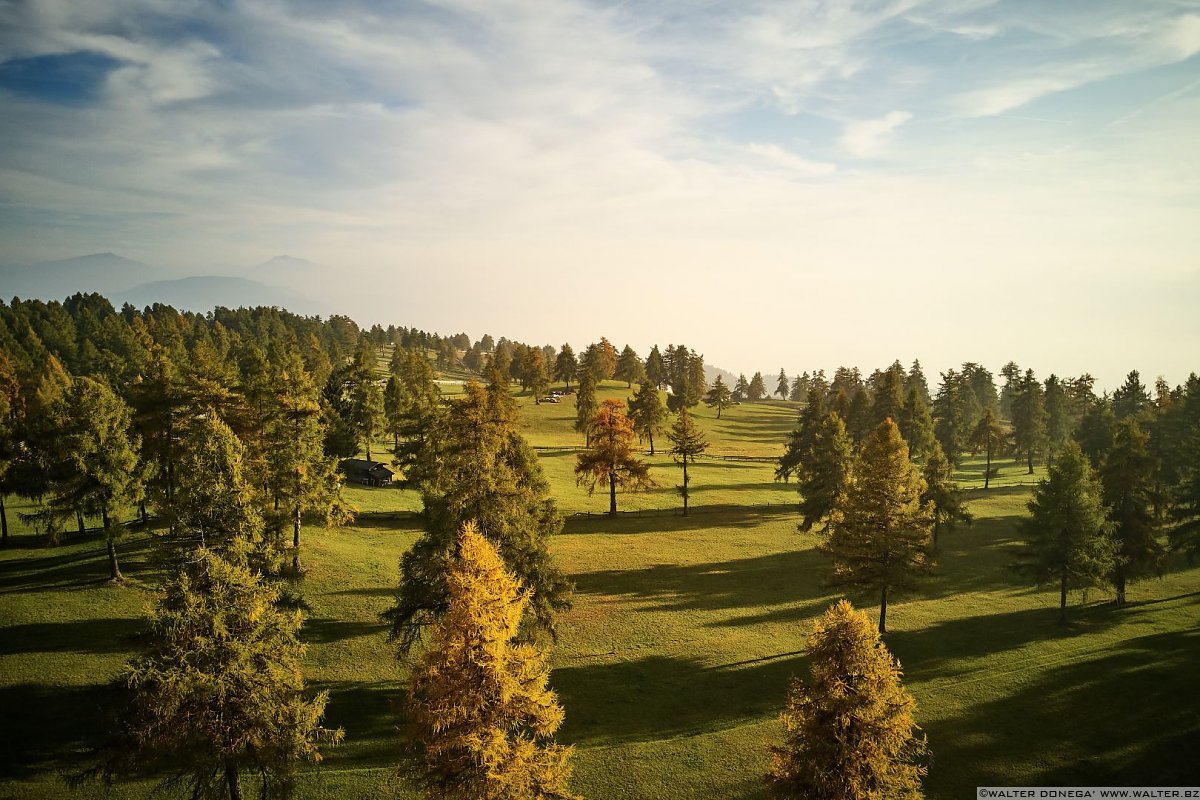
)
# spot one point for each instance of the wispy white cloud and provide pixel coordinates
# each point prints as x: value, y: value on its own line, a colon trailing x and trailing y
x: 868, y: 137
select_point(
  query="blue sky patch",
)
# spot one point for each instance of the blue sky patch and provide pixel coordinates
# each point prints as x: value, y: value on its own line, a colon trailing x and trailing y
x: 66, y: 78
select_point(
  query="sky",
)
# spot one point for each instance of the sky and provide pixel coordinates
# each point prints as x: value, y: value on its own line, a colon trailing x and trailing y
x: 795, y: 184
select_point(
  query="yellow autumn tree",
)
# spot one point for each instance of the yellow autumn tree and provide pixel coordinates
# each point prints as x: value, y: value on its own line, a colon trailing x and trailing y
x: 481, y: 717
x: 850, y: 728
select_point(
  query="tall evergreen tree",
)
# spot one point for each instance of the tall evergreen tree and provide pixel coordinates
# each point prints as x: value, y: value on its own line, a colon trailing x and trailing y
x: 916, y: 380
x: 950, y: 427
x: 687, y: 442
x: 719, y: 396
x: 648, y: 413
x: 1129, y: 492
x: 757, y: 389
x: 477, y: 467
x: 481, y: 718
x: 824, y: 475
x: 1185, y: 493
x: 630, y: 367
x: 783, y: 385
x: 585, y: 403
x: 850, y: 732
x: 1131, y: 398
x: 1069, y: 535
x: 1059, y: 424
x: 888, y: 400
x: 741, y: 389
x: 800, y: 387
x: 881, y: 528
x: 92, y: 465
x: 942, y: 494
x: 219, y: 693
x: 1097, y: 427
x: 916, y: 425
x: 1029, y: 419
x: 802, y: 440
x: 991, y: 437
x: 656, y: 371
x: 537, y: 381
x: 565, y: 366
x: 610, y: 456
x: 1012, y: 381
x: 12, y: 408
x: 859, y: 421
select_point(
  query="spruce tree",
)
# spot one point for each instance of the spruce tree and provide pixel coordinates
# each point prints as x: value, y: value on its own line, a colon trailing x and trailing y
x: 537, y: 381
x: 916, y: 425
x: 1069, y: 537
x: 824, y: 474
x: 1029, y: 419
x: 565, y: 366
x: 687, y: 442
x: 1129, y: 492
x: 942, y: 494
x: 950, y: 427
x: 610, y: 456
x: 585, y: 403
x: 1097, y: 426
x: 647, y: 411
x: 880, y: 533
x: 656, y: 371
x: 12, y: 408
x: 858, y: 423
x: 802, y: 439
x: 991, y: 437
x: 1131, y: 397
x: 850, y: 732
x: 719, y: 396
x: 1185, y: 493
x: 799, y: 388
x: 741, y: 389
x: 481, y: 718
x: 757, y: 389
x: 888, y: 401
x: 630, y: 367
x: 782, y: 386
x: 219, y: 694
x: 1059, y: 422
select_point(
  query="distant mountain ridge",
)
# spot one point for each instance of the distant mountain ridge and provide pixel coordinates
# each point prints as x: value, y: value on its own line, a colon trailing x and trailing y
x: 106, y: 273
x: 203, y: 293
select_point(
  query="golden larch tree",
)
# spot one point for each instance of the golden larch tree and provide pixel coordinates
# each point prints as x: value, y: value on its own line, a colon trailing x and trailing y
x: 481, y: 716
x: 850, y: 730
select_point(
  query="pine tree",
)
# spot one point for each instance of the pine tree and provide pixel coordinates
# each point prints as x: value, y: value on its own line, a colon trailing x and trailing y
x: 783, y: 386
x: 950, y: 428
x: 719, y: 396
x: 630, y: 367
x: 585, y: 403
x: 1185, y: 493
x: 648, y: 413
x: 656, y: 371
x: 824, y: 474
x: 565, y: 366
x: 916, y: 380
x: 916, y: 425
x: 881, y: 528
x: 1012, y: 379
x: 1029, y: 419
x: 419, y: 403
x: 741, y: 389
x: 687, y: 442
x: 610, y: 456
x: 1069, y: 537
x: 1131, y: 398
x: 477, y: 467
x: 481, y: 718
x: 799, y: 388
x: 757, y: 389
x: 888, y: 401
x: 1059, y: 424
x: 850, y: 732
x: 1129, y: 491
x: 858, y: 423
x: 942, y: 494
x: 991, y: 437
x: 12, y: 408
x: 536, y: 379
x: 802, y: 439
x: 219, y: 692
x: 1097, y: 426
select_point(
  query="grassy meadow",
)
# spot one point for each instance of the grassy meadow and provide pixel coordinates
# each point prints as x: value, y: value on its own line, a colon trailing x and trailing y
x: 673, y: 664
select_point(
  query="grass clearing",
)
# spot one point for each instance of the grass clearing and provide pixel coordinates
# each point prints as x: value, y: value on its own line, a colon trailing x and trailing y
x: 673, y: 664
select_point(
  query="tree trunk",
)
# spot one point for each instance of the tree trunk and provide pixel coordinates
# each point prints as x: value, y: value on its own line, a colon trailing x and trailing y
x: 3, y: 523
x: 368, y: 450
x: 612, y: 494
x: 296, y: 540
x: 937, y: 524
x: 114, y: 570
x: 79, y: 522
x: 1062, y: 603
x: 883, y: 611
x: 685, y: 487
x: 651, y: 435
x: 1030, y: 462
x: 987, y: 473
x: 235, y: 786
x: 1120, y: 582
x: 718, y: 410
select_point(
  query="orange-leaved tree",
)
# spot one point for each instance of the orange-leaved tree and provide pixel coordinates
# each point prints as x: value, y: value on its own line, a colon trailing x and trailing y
x: 610, y: 456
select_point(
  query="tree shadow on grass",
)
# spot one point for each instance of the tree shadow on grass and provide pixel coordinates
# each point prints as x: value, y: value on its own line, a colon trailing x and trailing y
x: 74, y: 568
x: 660, y: 696
x: 701, y: 517
x: 399, y: 521
x: 778, y: 579
x: 53, y: 729
x: 323, y: 630
x: 1116, y: 719
x: 95, y: 636
x: 371, y: 714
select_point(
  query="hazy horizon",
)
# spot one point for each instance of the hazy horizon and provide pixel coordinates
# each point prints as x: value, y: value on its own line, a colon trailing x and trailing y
x: 800, y: 185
